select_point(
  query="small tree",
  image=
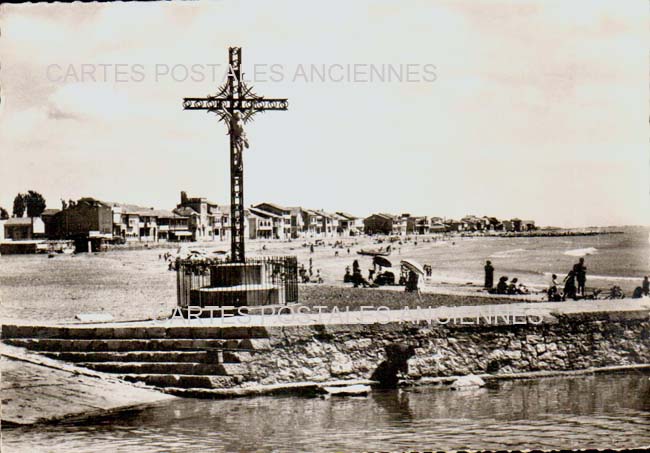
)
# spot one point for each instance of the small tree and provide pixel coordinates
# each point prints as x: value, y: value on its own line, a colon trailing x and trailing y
x: 19, y: 205
x: 35, y: 203
x: 4, y: 215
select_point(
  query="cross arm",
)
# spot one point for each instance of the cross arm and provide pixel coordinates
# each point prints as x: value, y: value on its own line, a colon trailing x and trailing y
x: 242, y: 105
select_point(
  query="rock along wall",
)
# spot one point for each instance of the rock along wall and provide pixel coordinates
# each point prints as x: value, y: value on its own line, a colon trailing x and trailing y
x: 347, y: 352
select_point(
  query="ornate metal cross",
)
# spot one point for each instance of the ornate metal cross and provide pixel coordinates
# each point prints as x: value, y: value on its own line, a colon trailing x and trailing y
x: 235, y: 103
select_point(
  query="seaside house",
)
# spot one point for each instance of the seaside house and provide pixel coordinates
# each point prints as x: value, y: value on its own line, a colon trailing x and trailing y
x: 89, y: 222
x: 454, y: 226
x: 400, y: 224
x: 507, y: 225
x: 172, y: 227
x: 259, y: 227
x: 222, y: 222
x: 312, y: 223
x: 265, y: 225
x: 285, y: 231
x: 438, y: 228
x: 493, y: 224
x: 474, y: 223
x: 328, y: 224
x: 298, y: 227
x: 383, y: 223
x: 50, y: 222
x: 343, y: 225
x: 195, y: 227
x: 24, y: 228
x: 350, y: 223
x: 528, y: 225
x: 201, y: 214
x: 417, y: 225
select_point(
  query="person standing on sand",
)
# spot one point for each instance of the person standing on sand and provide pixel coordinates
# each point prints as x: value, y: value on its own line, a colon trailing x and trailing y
x: 489, y: 275
x: 580, y: 271
x: 646, y: 286
x: 412, y: 282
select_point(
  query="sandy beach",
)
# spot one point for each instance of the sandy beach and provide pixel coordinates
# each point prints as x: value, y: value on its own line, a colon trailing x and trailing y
x: 136, y: 284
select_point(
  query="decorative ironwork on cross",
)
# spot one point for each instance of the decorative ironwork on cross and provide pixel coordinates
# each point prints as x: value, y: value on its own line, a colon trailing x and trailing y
x: 236, y: 104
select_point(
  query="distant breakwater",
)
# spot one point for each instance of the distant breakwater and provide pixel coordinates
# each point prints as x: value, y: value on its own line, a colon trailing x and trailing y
x: 538, y: 234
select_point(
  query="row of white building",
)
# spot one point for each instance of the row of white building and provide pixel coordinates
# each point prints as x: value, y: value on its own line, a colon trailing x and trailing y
x: 198, y: 219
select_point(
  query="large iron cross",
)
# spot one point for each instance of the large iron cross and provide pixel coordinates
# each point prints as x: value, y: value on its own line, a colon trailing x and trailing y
x: 235, y: 104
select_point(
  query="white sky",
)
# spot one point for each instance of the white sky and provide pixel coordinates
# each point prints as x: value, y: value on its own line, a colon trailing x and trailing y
x: 539, y: 108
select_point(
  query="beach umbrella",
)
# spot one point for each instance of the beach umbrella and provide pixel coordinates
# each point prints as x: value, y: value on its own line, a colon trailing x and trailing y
x: 413, y: 265
x: 381, y: 261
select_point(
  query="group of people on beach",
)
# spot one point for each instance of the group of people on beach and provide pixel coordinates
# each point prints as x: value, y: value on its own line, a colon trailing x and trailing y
x: 308, y: 276
x: 376, y: 278
x: 502, y: 287
x: 573, y: 286
x: 574, y: 283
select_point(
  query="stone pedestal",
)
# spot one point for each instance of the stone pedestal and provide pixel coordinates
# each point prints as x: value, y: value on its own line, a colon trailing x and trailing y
x: 234, y: 274
x: 238, y: 285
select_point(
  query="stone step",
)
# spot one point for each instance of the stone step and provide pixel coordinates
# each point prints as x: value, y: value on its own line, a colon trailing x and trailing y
x: 209, y: 357
x: 186, y: 381
x: 133, y: 332
x: 216, y: 369
x: 61, y: 345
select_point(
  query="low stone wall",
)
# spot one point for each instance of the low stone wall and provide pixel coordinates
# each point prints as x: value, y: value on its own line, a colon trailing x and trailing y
x: 342, y: 352
x: 207, y: 358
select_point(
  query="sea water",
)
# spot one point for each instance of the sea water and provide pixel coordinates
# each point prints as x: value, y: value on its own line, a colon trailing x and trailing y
x: 611, y: 259
x: 594, y: 411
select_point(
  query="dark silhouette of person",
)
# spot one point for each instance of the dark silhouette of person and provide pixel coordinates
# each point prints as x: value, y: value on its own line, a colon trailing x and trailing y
x: 502, y: 286
x: 570, y: 286
x: 580, y: 271
x: 412, y: 282
x: 489, y: 275
x: 358, y: 280
x: 646, y: 286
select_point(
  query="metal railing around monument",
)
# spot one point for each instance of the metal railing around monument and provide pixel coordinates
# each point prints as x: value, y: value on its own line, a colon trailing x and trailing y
x: 197, y: 278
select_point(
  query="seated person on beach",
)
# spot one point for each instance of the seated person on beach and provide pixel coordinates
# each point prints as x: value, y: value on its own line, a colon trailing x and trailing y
x: 357, y: 279
x: 512, y: 287
x: 502, y: 286
x: 347, y: 278
x: 638, y: 293
x: 552, y: 292
x: 385, y: 278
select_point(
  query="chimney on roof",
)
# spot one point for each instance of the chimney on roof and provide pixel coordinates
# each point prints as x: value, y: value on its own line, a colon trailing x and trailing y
x: 183, y: 197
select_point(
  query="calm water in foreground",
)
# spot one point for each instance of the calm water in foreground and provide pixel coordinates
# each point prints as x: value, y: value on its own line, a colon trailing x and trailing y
x: 567, y: 412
